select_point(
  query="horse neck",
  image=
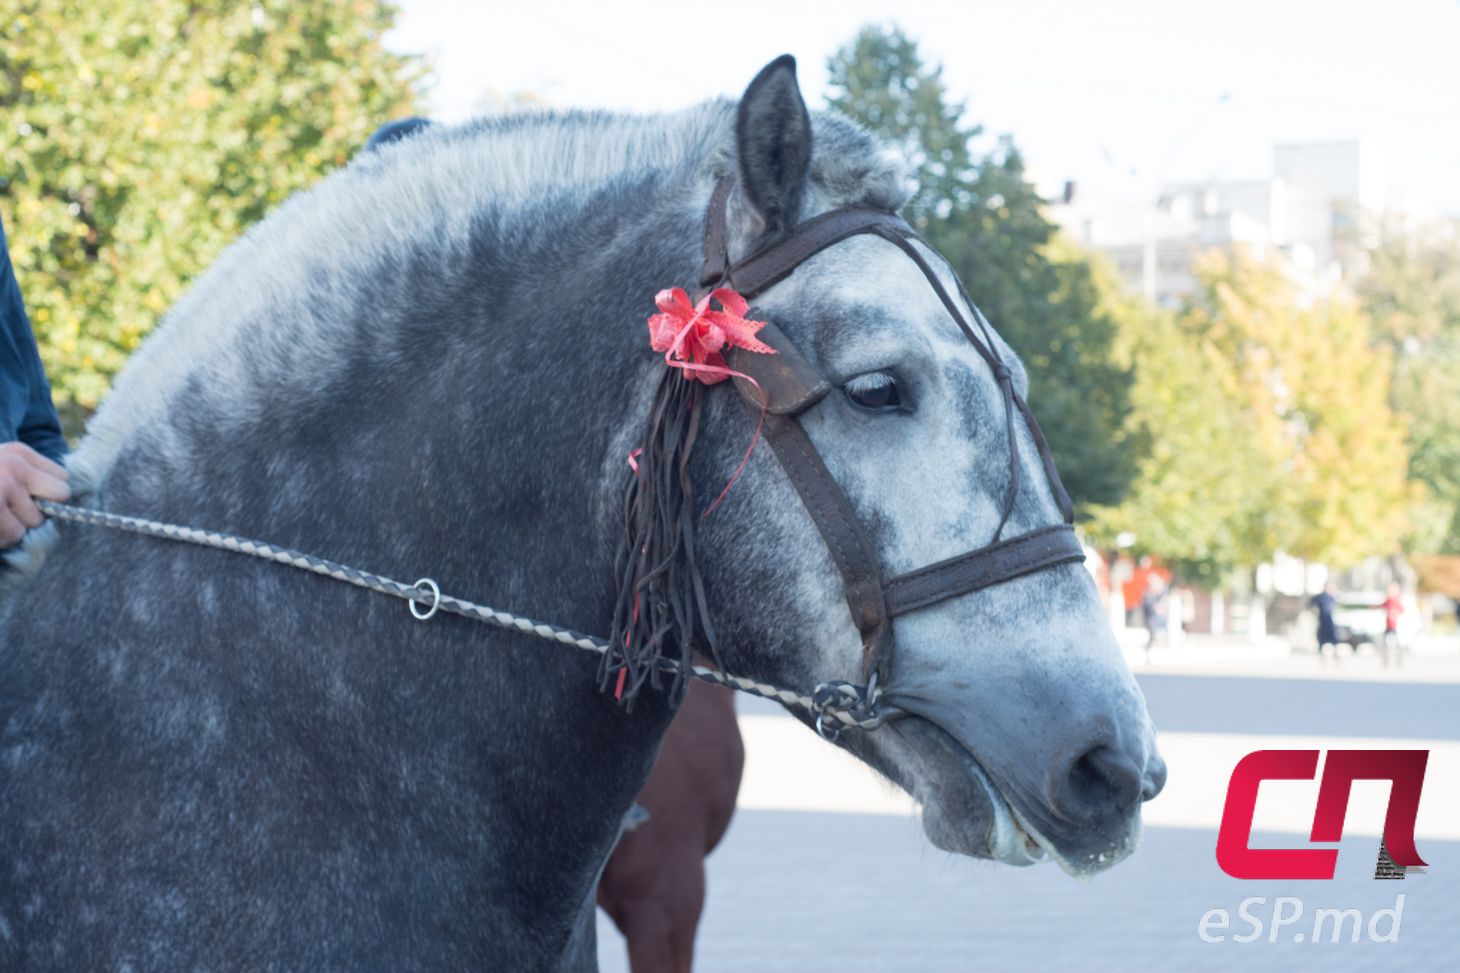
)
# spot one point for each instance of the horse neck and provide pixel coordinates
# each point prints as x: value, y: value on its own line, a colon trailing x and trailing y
x: 549, y: 459
x: 520, y: 397
x: 473, y: 427
x: 540, y: 397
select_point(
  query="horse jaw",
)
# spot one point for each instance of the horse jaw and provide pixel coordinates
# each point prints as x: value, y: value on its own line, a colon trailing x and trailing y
x: 964, y: 811
x: 1004, y: 840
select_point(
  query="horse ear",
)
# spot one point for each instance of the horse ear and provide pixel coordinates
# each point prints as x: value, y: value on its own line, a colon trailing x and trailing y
x: 773, y: 143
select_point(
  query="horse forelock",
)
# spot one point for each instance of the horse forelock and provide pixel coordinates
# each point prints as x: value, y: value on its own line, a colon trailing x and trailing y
x: 281, y: 302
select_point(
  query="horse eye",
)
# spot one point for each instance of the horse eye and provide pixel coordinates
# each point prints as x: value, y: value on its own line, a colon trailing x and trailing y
x: 874, y: 392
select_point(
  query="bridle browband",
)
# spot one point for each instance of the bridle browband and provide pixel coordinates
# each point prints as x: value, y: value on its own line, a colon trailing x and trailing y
x: 789, y: 384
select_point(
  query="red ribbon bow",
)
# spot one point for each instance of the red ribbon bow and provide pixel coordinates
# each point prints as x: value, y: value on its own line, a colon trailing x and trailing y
x: 692, y: 336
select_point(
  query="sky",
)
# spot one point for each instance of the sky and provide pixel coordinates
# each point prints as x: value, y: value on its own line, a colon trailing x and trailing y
x: 1118, y: 95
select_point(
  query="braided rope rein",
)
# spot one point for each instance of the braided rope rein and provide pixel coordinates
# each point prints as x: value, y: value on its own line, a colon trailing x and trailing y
x: 847, y: 704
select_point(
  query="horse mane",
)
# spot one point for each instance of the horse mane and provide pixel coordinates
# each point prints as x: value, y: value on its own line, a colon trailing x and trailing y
x: 288, y: 285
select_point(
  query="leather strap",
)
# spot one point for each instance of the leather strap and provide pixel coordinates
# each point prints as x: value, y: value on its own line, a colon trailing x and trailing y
x: 984, y: 568
x: 1046, y: 458
x: 904, y: 240
x: 841, y: 529
x: 775, y: 262
x: 717, y: 244
x: 789, y: 384
x: 778, y: 259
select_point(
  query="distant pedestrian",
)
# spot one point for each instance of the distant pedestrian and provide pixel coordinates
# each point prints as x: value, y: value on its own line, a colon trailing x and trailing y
x: 1393, y: 611
x: 1324, y: 603
x: 1154, y: 603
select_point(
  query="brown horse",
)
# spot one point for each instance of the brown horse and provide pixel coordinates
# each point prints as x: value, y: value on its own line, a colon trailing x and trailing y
x: 654, y: 884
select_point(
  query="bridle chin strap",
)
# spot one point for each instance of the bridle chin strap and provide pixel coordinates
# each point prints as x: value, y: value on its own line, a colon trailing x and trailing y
x: 789, y: 384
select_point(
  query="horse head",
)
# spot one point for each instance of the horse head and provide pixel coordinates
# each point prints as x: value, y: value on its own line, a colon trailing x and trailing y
x: 1026, y: 736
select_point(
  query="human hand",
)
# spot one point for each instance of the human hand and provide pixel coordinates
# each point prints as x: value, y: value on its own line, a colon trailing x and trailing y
x: 24, y: 476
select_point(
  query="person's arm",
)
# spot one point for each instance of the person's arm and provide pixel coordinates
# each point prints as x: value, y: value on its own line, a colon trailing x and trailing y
x: 26, y: 411
x: 31, y: 444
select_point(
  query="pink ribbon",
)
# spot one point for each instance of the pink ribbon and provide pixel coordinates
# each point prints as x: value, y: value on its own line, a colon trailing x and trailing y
x: 693, y: 336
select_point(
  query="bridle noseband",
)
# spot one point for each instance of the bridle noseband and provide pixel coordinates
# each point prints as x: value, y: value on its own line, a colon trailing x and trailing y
x: 789, y: 384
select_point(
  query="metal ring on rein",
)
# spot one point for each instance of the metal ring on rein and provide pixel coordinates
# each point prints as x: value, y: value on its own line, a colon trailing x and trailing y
x: 850, y: 706
x: 435, y: 592
x: 821, y: 731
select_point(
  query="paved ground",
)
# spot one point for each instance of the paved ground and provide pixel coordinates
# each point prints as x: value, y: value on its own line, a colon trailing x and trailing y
x: 825, y: 869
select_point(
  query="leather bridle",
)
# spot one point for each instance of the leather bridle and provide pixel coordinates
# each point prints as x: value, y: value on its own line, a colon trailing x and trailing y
x: 789, y: 385
x: 785, y: 385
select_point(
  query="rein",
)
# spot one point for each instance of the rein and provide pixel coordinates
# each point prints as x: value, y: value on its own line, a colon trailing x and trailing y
x: 835, y: 705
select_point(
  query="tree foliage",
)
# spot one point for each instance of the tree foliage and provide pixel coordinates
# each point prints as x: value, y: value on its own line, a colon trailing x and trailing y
x: 1271, y: 430
x: 140, y: 137
x: 1198, y: 499
x: 1412, y: 291
x: 982, y: 214
x: 1317, y: 393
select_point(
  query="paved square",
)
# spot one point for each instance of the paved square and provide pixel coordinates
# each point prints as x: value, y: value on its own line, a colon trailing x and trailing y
x: 832, y: 874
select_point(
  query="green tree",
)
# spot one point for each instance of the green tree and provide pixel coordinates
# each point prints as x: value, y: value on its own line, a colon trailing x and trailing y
x: 1270, y: 428
x: 1412, y: 292
x: 1200, y: 499
x: 142, y: 136
x: 982, y: 214
x: 880, y: 80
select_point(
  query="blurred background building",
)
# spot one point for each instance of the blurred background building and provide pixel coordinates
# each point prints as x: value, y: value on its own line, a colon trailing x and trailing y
x: 1315, y: 217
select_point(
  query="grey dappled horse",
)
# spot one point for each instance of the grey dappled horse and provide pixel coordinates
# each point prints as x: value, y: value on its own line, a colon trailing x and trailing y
x: 435, y: 362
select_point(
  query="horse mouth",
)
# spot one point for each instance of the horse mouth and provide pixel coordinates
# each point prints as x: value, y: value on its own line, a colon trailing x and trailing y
x: 965, y: 811
x: 1010, y: 840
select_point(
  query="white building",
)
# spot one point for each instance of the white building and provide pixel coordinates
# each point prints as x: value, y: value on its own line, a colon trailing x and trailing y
x: 1314, y: 216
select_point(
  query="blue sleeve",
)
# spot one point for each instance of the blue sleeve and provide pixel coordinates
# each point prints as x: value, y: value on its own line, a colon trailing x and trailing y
x: 26, y: 410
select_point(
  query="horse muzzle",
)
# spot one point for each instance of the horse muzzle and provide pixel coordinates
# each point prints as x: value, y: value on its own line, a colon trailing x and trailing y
x: 1089, y: 822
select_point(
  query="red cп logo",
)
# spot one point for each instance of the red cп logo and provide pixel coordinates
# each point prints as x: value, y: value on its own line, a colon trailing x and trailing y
x: 1404, y: 769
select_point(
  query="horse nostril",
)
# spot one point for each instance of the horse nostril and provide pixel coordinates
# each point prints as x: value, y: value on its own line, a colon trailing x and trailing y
x: 1102, y: 780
